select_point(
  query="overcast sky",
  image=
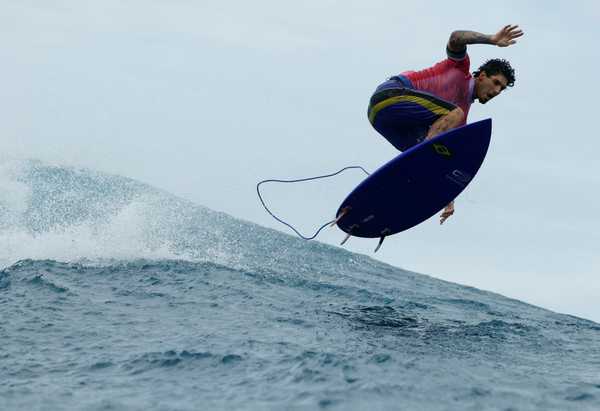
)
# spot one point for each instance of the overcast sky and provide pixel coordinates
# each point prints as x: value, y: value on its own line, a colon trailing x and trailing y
x: 204, y: 99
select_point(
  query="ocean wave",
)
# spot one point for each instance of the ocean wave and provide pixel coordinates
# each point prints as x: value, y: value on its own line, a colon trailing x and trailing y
x: 115, y: 291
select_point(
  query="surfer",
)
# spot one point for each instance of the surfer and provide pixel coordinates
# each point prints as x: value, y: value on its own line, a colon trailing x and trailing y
x: 417, y: 105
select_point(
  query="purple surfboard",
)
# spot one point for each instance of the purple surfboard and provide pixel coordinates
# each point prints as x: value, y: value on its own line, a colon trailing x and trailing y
x: 416, y: 184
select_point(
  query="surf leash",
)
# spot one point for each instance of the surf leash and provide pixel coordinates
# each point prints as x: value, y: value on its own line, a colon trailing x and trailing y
x: 299, y: 180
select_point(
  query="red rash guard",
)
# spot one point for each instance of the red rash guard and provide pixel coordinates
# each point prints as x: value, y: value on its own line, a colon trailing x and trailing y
x: 449, y: 80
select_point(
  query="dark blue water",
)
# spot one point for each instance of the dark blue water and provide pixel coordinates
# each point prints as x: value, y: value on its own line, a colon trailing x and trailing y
x: 114, y: 295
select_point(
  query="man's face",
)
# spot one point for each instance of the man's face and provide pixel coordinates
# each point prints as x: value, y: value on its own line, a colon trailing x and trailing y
x: 488, y: 87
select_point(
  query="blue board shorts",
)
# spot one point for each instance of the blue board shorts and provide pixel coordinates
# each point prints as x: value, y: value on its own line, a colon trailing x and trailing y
x: 402, y: 114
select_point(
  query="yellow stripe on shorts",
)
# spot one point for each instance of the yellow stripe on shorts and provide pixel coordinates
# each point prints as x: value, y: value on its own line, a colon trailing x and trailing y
x: 428, y: 104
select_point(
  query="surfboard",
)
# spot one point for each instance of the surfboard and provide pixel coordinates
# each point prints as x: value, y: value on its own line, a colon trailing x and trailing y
x: 416, y: 184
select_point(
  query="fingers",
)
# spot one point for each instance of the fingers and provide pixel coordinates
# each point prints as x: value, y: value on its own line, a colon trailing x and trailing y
x: 512, y: 31
x: 516, y: 34
x: 447, y: 213
x: 507, y: 35
x: 444, y: 217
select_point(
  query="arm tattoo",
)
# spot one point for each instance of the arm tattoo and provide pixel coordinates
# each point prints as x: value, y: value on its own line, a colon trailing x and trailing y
x: 459, y: 39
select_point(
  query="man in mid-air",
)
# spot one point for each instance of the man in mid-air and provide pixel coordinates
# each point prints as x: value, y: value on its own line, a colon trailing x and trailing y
x: 418, y: 105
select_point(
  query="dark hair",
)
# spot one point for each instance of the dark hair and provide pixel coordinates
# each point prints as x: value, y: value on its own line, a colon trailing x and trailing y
x: 498, y: 66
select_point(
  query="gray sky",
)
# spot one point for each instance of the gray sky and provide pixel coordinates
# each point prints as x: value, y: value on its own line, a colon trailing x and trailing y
x: 203, y: 99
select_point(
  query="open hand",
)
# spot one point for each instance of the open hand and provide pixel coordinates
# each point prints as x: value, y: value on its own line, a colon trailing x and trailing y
x: 448, y: 211
x: 507, y: 35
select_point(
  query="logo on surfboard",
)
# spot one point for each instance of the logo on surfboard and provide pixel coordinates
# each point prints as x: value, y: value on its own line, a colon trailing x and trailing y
x: 459, y: 177
x: 442, y: 150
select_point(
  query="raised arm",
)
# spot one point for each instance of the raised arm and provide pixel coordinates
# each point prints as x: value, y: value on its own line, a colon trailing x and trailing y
x: 505, y: 37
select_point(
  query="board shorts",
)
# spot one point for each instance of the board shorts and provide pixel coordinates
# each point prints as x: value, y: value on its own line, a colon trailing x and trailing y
x: 402, y: 114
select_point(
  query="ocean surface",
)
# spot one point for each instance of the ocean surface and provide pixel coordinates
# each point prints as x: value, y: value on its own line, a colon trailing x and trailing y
x: 115, y: 295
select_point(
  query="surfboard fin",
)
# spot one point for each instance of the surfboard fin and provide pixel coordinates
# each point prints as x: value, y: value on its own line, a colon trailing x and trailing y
x: 384, y: 233
x: 379, y: 245
x: 350, y: 230
x: 346, y: 239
